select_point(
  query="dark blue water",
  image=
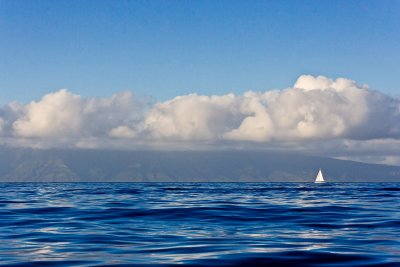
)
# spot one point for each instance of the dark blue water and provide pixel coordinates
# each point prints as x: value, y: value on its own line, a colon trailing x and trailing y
x: 207, y: 224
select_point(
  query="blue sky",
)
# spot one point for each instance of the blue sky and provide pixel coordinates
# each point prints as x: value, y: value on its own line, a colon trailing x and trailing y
x: 168, y: 48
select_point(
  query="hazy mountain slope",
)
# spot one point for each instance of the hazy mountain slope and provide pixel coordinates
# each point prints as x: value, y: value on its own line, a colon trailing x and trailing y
x: 23, y: 165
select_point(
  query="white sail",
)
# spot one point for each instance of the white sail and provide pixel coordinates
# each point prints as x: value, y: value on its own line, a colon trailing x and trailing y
x: 320, y: 177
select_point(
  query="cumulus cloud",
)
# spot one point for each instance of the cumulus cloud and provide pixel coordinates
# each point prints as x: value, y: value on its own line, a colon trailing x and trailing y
x: 55, y: 115
x: 122, y: 131
x: 316, y: 111
x: 2, y: 123
x: 309, y: 82
x: 66, y: 119
x: 192, y: 117
x: 316, y: 108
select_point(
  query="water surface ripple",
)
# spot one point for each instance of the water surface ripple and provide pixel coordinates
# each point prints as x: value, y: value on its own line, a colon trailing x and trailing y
x: 199, y: 224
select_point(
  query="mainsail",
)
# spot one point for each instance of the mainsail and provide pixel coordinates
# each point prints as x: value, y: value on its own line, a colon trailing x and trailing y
x: 320, y: 177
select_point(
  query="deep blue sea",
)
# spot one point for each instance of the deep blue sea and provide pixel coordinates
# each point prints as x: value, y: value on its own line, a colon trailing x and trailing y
x: 199, y: 224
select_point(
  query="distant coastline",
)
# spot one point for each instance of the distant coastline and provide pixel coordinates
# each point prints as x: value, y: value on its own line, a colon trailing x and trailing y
x: 81, y: 165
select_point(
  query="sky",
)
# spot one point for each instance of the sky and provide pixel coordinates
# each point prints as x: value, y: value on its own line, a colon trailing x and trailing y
x: 319, y: 77
x: 161, y: 49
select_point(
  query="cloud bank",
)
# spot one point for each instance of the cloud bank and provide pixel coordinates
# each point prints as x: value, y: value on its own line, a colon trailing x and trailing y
x: 315, y: 112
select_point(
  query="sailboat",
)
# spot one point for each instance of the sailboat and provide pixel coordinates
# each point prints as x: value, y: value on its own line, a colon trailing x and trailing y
x: 320, y: 177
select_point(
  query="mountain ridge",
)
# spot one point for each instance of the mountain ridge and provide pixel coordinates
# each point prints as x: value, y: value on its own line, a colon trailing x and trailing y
x: 85, y: 165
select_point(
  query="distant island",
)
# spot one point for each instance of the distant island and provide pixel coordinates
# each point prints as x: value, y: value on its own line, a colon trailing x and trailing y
x: 79, y: 165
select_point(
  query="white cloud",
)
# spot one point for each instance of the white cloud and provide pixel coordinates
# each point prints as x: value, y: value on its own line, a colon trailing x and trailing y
x: 68, y: 120
x: 315, y: 112
x: 309, y: 82
x: 103, y: 114
x: 316, y: 108
x: 122, y: 131
x: 381, y: 159
x: 256, y: 124
x: 55, y: 115
x: 191, y: 117
x: 2, y: 124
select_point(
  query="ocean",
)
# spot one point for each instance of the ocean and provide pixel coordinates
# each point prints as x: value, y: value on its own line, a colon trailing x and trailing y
x: 200, y: 224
